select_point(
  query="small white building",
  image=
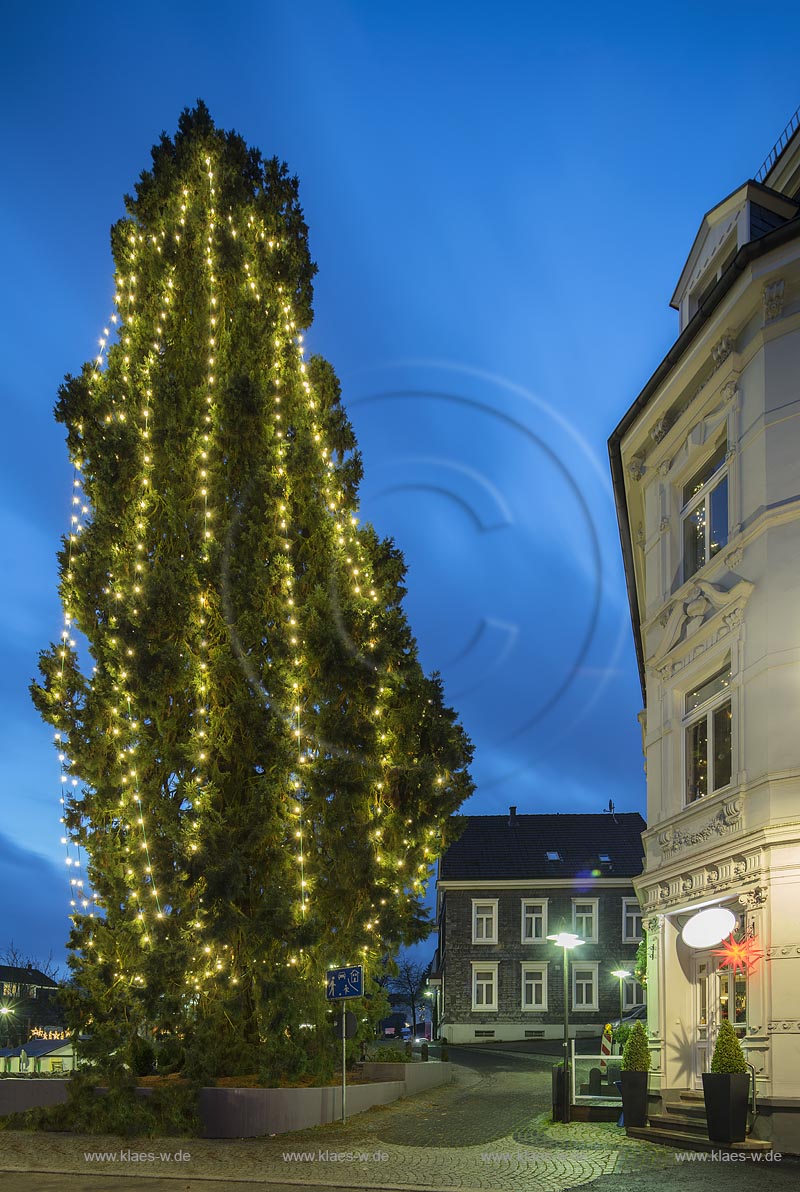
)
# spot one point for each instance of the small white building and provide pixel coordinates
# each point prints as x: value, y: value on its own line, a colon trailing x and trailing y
x: 706, y: 470
x: 39, y: 1056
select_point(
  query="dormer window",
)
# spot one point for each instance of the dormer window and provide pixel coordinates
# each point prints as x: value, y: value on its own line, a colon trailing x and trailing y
x: 750, y: 212
x: 704, y: 516
x: 604, y: 858
x: 553, y: 856
x: 720, y: 262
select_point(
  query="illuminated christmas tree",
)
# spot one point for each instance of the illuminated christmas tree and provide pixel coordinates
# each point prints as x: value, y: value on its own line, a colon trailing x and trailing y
x: 260, y: 772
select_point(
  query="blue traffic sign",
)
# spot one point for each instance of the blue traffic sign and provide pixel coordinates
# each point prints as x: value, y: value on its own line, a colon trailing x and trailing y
x: 345, y: 982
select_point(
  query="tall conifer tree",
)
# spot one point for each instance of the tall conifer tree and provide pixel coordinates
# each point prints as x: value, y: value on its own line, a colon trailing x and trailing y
x: 264, y: 771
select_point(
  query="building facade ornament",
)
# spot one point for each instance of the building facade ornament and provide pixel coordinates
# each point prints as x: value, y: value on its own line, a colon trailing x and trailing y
x: 664, y: 467
x: 784, y: 1027
x: 728, y: 819
x: 664, y: 525
x: 734, y: 618
x: 783, y: 952
x: 772, y: 297
x: 701, y: 880
x: 701, y: 602
x: 636, y: 467
x: 660, y: 428
x: 729, y: 391
x: 753, y: 898
x: 722, y: 349
x: 733, y: 558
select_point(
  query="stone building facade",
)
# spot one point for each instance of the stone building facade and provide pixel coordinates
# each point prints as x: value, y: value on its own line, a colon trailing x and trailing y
x: 502, y: 888
x: 706, y: 469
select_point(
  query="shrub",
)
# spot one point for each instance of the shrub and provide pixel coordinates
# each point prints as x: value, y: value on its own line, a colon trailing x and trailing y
x: 636, y: 1056
x: 728, y: 1055
x: 117, y: 1109
x: 388, y: 1055
x: 621, y: 1036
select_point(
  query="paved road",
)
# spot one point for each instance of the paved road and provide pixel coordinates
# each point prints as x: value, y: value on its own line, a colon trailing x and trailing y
x: 490, y: 1130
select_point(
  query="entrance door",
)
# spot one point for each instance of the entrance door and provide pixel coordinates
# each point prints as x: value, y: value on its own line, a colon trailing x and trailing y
x: 719, y: 994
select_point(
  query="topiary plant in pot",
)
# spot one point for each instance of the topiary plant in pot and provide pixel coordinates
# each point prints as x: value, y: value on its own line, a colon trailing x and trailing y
x: 726, y: 1088
x: 635, y: 1069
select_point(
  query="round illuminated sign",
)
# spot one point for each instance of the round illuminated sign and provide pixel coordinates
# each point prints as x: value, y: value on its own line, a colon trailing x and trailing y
x: 708, y: 927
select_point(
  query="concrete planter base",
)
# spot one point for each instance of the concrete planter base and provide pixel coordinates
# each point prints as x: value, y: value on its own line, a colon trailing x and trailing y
x: 26, y: 1092
x: 252, y: 1113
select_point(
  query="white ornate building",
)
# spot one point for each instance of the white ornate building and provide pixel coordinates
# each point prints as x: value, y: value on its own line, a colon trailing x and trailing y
x: 706, y: 470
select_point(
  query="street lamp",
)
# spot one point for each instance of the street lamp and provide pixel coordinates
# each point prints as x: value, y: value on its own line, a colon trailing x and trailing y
x: 566, y: 940
x: 433, y: 992
x: 621, y: 974
x: 5, y: 1011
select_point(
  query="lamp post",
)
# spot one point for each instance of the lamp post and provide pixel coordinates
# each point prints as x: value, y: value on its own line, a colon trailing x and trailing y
x: 566, y: 940
x: 621, y: 974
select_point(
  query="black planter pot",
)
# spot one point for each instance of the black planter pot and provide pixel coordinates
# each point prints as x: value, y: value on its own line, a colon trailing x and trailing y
x: 634, y: 1098
x: 726, y: 1095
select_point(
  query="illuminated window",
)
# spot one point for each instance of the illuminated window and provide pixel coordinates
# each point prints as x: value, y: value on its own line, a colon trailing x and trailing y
x: 707, y: 735
x: 704, y: 516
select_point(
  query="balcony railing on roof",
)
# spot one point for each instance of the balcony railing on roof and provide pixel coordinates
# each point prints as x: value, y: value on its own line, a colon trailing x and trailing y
x: 779, y: 146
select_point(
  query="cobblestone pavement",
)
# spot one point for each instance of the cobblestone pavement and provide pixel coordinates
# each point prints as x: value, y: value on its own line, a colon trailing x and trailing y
x: 490, y: 1130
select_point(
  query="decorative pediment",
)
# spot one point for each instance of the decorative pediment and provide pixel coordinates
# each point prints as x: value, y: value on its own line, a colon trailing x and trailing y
x: 701, y: 605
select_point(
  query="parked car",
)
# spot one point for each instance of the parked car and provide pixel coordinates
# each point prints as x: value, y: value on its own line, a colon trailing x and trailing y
x: 637, y: 1014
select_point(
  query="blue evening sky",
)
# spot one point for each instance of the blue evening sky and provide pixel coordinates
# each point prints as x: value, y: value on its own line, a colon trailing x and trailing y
x: 500, y: 200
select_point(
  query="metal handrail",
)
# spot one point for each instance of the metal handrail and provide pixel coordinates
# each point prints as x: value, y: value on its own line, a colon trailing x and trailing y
x: 779, y: 146
x: 753, y: 1083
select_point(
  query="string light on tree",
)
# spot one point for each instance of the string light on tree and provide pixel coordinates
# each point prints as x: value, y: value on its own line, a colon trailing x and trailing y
x: 263, y: 772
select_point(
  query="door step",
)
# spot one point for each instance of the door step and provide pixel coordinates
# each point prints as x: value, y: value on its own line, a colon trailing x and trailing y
x: 689, y: 1141
x: 683, y: 1123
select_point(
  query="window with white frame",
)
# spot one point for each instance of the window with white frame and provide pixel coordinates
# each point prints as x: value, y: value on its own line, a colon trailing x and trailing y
x: 704, y: 512
x: 534, y: 920
x: 632, y: 993
x: 584, y: 919
x: 584, y: 985
x: 631, y: 920
x: 484, y: 920
x: 484, y: 986
x: 707, y: 735
x: 534, y: 986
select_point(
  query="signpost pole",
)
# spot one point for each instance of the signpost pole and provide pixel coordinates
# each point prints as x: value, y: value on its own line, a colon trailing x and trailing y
x: 344, y: 1068
x: 341, y: 984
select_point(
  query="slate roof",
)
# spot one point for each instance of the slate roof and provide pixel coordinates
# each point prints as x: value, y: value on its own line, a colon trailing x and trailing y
x: 26, y: 976
x: 504, y: 847
x: 35, y: 1048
